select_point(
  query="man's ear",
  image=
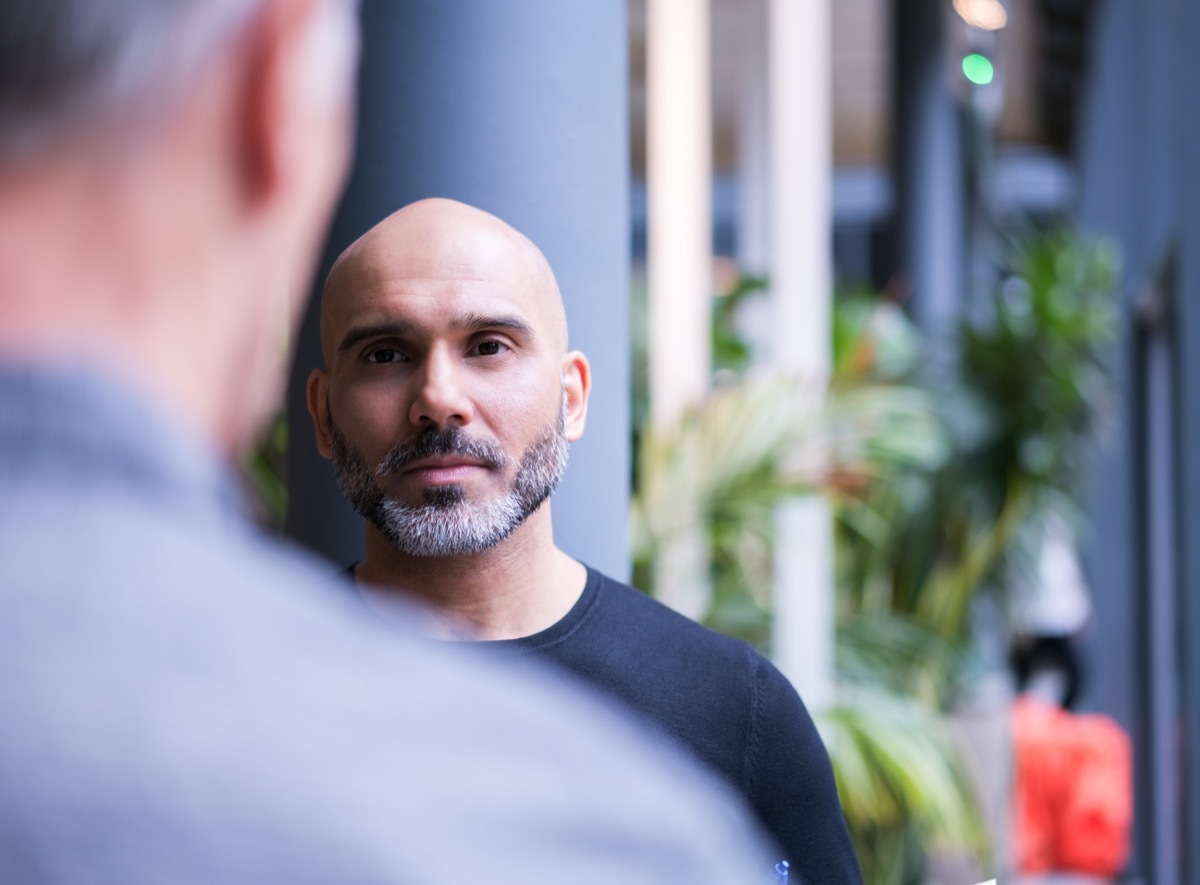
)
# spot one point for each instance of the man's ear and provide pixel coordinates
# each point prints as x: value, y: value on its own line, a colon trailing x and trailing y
x: 300, y: 61
x: 577, y: 385
x: 318, y: 407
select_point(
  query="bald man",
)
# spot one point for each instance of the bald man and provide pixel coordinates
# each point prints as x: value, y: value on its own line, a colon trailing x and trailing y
x: 447, y: 404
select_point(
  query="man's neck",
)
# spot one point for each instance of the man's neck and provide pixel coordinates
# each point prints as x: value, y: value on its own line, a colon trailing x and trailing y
x: 517, y: 588
x: 88, y: 278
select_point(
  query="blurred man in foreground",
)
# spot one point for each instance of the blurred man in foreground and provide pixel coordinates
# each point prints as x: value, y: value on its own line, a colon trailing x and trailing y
x: 447, y: 403
x: 180, y: 700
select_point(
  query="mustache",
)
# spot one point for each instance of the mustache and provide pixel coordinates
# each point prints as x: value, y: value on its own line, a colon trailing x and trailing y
x: 433, y: 442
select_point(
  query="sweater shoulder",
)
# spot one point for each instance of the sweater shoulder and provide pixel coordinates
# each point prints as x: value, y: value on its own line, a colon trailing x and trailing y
x: 639, y: 614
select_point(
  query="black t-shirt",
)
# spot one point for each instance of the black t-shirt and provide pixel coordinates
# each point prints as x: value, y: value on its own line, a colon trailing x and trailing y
x: 719, y: 698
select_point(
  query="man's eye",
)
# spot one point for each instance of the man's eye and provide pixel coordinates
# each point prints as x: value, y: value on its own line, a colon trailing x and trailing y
x: 490, y: 348
x: 384, y: 355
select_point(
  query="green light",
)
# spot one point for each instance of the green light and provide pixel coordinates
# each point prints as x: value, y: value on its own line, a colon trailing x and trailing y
x: 978, y: 69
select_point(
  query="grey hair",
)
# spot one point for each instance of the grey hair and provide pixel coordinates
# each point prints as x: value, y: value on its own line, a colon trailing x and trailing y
x: 69, y: 64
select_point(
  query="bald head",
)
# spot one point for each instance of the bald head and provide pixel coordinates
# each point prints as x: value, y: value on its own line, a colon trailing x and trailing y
x: 442, y: 240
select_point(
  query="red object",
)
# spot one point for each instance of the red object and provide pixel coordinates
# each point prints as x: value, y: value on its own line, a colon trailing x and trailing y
x: 1073, y: 791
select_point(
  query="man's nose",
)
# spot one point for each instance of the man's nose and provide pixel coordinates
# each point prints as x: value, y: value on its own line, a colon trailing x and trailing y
x: 441, y: 397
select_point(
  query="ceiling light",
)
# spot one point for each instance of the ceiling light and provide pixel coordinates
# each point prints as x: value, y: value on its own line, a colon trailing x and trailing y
x: 987, y: 15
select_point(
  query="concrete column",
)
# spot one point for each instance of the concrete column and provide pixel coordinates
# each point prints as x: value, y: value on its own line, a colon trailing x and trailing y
x: 930, y: 191
x: 521, y: 109
x: 1186, y: 171
x: 801, y: 127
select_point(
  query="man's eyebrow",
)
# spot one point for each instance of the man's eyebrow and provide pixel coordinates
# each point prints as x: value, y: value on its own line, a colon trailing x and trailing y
x: 477, y: 322
x: 359, y: 334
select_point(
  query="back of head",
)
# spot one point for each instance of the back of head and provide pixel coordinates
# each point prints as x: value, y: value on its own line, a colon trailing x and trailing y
x: 169, y: 166
x: 68, y: 65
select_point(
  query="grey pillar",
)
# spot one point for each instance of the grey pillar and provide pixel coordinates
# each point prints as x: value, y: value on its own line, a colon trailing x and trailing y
x: 928, y: 168
x: 520, y: 109
x: 1134, y: 187
x: 1187, y: 26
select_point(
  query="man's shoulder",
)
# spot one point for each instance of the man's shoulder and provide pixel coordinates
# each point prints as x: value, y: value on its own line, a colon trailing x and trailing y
x: 655, y: 651
x: 645, y: 618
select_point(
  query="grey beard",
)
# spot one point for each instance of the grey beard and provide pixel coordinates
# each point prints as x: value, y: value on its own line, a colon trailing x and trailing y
x: 447, y: 524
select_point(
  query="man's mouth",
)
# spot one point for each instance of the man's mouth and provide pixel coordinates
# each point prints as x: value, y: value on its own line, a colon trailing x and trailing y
x: 444, y: 469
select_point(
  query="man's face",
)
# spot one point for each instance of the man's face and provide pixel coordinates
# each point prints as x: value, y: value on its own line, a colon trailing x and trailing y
x: 447, y: 404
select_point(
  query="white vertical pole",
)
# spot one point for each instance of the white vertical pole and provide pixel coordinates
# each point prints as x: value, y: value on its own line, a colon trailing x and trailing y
x: 801, y: 291
x: 679, y: 248
x: 678, y: 203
